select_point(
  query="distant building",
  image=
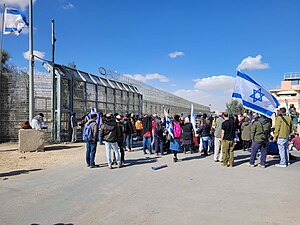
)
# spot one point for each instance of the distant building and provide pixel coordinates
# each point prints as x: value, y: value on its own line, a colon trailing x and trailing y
x: 289, y: 92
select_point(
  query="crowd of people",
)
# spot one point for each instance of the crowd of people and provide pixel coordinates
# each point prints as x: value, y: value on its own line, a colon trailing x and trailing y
x: 219, y: 135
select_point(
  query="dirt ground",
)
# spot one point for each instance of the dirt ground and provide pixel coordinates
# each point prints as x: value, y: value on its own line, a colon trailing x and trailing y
x: 59, y: 154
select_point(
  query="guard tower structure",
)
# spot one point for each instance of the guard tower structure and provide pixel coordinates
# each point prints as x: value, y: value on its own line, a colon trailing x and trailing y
x: 289, y: 92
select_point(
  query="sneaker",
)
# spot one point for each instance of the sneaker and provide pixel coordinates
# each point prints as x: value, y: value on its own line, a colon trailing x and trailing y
x: 280, y: 165
x: 109, y: 166
x: 261, y: 166
x: 175, y: 159
x: 216, y: 160
x: 119, y: 165
x: 248, y: 164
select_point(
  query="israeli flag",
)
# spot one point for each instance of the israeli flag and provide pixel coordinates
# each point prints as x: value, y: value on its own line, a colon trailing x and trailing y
x: 254, y: 96
x: 14, y: 21
x: 193, y: 119
x: 169, y: 124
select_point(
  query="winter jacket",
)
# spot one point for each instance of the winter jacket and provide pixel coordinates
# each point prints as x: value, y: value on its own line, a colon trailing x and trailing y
x: 218, y: 129
x: 147, y: 124
x: 73, y: 121
x: 128, y: 127
x: 120, y: 127
x: 187, y: 131
x: 283, y: 127
x: 109, y: 131
x: 267, y: 124
x: 246, y: 131
x: 94, y: 129
x: 257, y: 132
x: 204, y: 130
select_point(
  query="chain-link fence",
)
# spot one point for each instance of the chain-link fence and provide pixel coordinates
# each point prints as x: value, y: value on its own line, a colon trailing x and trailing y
x: 78, y: 91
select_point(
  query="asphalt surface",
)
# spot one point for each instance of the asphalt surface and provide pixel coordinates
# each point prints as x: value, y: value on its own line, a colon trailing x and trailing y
x: 195, y: 190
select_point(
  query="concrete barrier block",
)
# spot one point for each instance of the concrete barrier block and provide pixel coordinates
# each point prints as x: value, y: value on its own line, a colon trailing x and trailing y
x: 31, y: 140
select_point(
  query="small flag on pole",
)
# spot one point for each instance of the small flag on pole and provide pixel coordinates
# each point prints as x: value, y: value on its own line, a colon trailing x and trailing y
x: 193, y: 119
x: 169, y: 124
x: 254, y: 96
x: 14, y: 21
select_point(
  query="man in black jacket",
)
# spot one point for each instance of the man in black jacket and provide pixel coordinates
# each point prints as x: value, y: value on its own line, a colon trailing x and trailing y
x: 109, y: 133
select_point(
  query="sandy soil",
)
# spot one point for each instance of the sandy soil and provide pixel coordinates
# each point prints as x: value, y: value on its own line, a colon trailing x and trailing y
x: 59, y: 154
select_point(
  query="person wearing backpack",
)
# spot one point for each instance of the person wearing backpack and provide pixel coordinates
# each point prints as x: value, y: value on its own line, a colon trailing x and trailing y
x: 110, y: 133
x: 258, y: 142
x: 175, y: 144
x: 90, y: 134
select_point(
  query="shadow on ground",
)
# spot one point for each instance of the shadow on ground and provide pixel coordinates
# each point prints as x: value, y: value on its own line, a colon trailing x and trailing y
x: 17, y: 172
x: 140, y: 161
x: 55, y: 224
x: 60, y: 147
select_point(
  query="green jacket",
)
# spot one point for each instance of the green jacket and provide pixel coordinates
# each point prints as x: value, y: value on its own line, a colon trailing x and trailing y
x: 257, y: 132
x: 283, y: 127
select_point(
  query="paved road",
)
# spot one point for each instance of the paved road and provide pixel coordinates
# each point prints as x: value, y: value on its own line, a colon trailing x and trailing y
x: 195, y: 190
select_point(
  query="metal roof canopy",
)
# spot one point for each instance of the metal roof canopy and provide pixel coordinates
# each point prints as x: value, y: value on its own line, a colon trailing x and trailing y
x: 292, y: 76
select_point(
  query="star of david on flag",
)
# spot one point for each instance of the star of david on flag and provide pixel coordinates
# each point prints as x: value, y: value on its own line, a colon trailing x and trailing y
x: 254, y: 96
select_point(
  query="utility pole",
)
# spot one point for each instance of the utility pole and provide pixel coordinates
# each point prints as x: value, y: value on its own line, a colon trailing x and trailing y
x: 31, y: 64
x: 53, y: 132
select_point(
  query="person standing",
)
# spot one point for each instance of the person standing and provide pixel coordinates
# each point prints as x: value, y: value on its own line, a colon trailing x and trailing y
x: 246, y: 134
x: 139, y: 127
x: 147, y: 131
x: 204, y: 131
x: 175, y: 144
x: 91, y: 145
x: 218, y: 141
x: 187, y: 136
x: 159, y: 137
x: 73, y: 121
x: 120, y: 127
x: 109, y: 133
x: 227, y: 136
x: 128, y: 132
x: 283, y: 128
x: 258, y: 142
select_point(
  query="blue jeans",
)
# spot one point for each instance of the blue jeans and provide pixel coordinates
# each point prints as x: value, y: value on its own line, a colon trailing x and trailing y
x: 147, y: 144
x: 112, y: 146
x: 90, y: 153
x: 100, y: 139
x: 205, y: 141
x: 254, y: 148
x: 158, y: 143
x: 128, y: 141
x: 283, y: 150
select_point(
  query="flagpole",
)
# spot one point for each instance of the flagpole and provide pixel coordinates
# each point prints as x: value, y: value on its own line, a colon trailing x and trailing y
x: 2, y: 37
x: 31, y: 64
x: 53, y: 84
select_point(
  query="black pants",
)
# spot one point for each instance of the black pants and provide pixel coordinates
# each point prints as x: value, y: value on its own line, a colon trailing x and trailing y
x: 246, y: 145
x: 121, y: 146
x: 187, y: 148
